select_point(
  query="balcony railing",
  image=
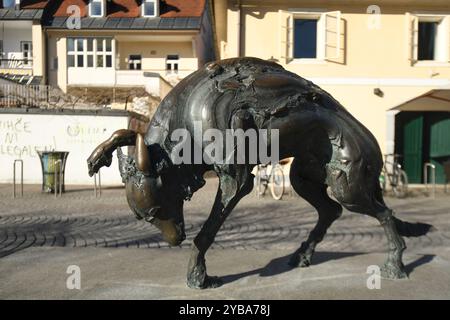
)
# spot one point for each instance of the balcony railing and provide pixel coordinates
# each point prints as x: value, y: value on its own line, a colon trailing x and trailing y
x: 16, y: 63
x: 16, y: 95
x: 15, y: 60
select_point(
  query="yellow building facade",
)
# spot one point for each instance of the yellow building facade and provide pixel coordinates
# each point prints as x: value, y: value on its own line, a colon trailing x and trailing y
x: 371, y: 58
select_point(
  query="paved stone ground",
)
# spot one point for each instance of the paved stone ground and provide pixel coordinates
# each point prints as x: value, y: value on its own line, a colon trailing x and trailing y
x: 119, y: 255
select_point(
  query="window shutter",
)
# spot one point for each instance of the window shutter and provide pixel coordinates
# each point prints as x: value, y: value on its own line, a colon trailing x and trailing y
x: 286, y: 36
x: 333, y: 36
x: 412, y: 22
x: 448, y: 38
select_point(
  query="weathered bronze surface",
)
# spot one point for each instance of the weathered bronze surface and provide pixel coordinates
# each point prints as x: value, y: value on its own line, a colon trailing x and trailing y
x: 330, y: 149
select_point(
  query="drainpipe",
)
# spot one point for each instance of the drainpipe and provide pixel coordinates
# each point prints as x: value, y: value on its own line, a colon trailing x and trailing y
x: 240, y: 29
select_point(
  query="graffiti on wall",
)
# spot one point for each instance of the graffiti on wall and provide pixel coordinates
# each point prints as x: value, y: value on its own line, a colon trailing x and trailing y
x: 13, y: 139
x: 78, y: 132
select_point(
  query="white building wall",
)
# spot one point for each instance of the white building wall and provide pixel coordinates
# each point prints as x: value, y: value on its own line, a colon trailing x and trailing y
x: 22, y: 134
x: 13, y: 32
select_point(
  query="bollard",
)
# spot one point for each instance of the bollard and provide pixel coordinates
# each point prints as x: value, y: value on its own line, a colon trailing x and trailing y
x: 21, y: 177
x: 98, y: 191
x: 433, y: 177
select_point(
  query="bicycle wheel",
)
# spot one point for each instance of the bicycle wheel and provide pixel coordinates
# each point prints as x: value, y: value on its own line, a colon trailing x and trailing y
x: 401, y: 184
x: 260, y: 183
x: 277, y: 182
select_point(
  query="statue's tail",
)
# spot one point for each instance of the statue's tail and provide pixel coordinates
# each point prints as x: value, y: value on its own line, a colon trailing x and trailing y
x: 408, y: 229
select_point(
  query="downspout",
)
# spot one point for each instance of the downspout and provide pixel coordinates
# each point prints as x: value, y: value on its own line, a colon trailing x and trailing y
x: 46, y: 62
x: 240, y: 29
x: 212, y: 15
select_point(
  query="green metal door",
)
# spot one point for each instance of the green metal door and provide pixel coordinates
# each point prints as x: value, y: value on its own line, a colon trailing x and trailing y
x: 412, y: 146
x: 439, y: 124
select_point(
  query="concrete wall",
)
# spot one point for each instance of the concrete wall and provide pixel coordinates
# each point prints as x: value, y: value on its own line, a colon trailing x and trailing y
x: 38, y: 37
x: 22, y: 134
x: 157, y: 61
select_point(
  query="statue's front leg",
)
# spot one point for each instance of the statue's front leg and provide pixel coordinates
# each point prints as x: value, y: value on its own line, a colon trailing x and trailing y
x: 102, y: 155
x: 231, y: 190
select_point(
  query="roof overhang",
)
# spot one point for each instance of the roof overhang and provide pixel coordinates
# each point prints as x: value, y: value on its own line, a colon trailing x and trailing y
x: 433, y: 100
x: 22, y: 14
x: 158, y: 23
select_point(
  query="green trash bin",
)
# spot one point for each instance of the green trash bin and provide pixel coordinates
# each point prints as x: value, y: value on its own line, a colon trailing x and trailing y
x: 52, y: 161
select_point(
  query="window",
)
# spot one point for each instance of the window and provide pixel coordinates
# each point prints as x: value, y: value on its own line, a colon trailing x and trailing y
x: 10, y: 3
x: 96, y: 8
x: 89, y: 52
x: 310, y: 35
x: 149, y: 8
x: 27, y: 52
x: 305, y: 38
x: 135, y: 62
x: 172, y: 62
x: 428, y: 39
x: 54, y: 64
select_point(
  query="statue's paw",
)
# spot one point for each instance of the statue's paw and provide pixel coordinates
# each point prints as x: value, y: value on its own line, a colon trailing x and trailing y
x: 301, y: 260
x: 207, y: 283
x: 393, y: 271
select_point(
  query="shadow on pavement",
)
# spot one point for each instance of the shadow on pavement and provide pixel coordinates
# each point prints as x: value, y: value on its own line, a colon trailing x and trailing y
x: 280, y: 265
x: 424, y: 259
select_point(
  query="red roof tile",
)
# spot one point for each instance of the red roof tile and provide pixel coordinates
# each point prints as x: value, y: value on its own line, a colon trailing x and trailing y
x: 132, y: 9
x: 33, y: 4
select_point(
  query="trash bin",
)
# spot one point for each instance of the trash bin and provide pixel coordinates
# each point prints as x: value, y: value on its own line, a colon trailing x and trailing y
x: 52, y: 161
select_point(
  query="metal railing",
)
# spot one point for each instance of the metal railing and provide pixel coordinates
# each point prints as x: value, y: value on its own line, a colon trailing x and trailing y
x: 21, y: 177
x: 433, y: 176
x: 16, y: 63
x: 98, y: 188
x: 16, y: 95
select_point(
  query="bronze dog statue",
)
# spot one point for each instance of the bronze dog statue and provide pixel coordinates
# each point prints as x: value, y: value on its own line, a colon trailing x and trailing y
x: 329, y: 146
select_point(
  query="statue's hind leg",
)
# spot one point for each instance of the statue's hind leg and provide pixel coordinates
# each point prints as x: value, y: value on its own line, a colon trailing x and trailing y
x: 393, y: 268
x: 328, y: 210
x: 374, y: 206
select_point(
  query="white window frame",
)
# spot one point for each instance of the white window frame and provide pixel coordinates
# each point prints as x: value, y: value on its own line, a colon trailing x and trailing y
x: 94, y: 53
x: 322, y: 33
x: 172, y: 63
x: 443, y: 39
x: 156, y: 8
x: 102, y: 6
x: 27, y: 55
x: 135, y: 62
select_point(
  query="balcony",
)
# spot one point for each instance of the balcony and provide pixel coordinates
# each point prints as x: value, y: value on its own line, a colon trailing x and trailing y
x: 15, y: 63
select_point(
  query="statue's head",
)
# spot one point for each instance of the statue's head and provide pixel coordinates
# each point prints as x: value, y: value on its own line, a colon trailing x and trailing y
x: 151, y: 196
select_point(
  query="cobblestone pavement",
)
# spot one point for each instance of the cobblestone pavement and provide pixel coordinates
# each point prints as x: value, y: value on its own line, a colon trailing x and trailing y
x: 123, y: 258
x: 80, y: 220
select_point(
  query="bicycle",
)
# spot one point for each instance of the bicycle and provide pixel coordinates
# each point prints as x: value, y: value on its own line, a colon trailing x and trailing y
x: 272, y: 178
x: 396, y: 176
